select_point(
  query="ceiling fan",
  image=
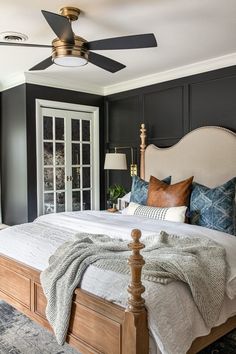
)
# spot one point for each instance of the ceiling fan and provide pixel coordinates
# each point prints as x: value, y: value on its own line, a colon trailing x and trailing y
x: 71, y: 50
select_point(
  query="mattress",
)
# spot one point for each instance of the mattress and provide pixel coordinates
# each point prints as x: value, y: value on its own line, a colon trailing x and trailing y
x: 173, y: 318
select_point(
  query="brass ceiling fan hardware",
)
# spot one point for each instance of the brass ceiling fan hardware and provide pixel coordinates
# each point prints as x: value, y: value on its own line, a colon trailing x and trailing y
x: 60, y: 49
x: 71, y: 50
x: 71, y: 12
x: 78, y: 43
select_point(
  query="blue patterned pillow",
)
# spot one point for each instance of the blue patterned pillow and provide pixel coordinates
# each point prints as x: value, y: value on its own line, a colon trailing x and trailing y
x: 214, y: 208
x: 139, y: 189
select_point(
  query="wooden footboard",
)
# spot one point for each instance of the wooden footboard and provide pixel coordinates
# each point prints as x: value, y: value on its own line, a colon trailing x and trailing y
x: 96, y: 325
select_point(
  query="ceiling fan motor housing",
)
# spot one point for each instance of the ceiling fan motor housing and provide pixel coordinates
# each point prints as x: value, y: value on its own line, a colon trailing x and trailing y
x: 63, y: 49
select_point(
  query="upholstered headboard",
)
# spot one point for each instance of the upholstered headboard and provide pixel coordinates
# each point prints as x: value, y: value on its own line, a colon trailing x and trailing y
x: 207, y: 153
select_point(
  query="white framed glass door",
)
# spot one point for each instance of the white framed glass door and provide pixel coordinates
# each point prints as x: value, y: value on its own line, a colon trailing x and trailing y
x: 67, y: 161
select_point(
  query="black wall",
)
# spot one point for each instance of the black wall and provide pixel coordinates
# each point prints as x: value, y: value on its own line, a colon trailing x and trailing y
x: 13, y: 156
x: 169, y: 111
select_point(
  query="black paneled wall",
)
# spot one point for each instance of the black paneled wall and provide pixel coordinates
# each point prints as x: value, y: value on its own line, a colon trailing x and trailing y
x: 170, y: 110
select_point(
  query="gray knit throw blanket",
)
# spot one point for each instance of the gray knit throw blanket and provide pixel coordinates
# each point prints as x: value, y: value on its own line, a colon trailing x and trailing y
x: 199, y: 262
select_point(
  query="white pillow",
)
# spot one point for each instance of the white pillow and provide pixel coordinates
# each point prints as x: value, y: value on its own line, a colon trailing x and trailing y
x: 171, y: 214
x: 126, y: 197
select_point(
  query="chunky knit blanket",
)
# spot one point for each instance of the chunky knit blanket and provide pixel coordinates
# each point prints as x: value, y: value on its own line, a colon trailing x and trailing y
x: 199, y: 262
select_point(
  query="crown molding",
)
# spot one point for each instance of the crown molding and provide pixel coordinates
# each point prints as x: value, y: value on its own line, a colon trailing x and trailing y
x: 12, y: 81
x: 37, y: 79
x: 176, y: 73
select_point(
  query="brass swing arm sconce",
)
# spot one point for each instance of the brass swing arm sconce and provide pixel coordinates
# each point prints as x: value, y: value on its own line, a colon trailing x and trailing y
x: 117, y: 160
x: 133, y: 166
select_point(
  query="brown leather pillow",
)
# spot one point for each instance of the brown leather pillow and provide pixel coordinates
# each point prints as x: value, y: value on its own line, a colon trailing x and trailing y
x: 163, y: 195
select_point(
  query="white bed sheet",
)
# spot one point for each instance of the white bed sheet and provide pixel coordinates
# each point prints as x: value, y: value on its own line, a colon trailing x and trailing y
x: 174, y: 320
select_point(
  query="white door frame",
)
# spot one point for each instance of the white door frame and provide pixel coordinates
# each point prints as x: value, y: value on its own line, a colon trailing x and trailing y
x: 68, y: 107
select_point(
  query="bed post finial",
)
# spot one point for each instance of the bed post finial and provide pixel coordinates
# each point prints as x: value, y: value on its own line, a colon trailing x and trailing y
x: 143, y: 136
x: 136, y: 263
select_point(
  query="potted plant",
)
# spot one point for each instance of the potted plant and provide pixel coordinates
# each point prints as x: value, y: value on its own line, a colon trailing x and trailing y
x: 114, y: 192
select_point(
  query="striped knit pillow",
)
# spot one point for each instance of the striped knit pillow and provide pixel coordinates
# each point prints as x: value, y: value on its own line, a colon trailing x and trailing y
x: 171, y: 214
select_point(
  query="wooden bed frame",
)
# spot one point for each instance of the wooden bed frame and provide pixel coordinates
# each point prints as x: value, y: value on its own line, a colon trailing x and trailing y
x: 96, y: 325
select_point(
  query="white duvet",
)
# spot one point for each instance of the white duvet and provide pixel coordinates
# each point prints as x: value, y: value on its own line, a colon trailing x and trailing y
x: 174, y: 320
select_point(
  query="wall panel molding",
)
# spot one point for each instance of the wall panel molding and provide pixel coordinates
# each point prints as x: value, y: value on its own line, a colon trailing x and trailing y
x: 172, y: 109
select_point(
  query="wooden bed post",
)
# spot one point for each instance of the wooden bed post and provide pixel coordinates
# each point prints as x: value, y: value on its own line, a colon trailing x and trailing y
x: 143, y: 136
x: 136, y: 337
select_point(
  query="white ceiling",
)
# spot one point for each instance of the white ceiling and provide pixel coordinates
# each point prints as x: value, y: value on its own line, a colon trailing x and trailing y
x: 187, y: 31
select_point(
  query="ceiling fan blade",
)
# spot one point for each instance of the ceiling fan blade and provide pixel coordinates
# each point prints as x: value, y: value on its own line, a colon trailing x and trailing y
x: 26, y: 45
x: 60, y: 25
x: 43, y: 64
x: 105, y: 63
x: 127, y: 42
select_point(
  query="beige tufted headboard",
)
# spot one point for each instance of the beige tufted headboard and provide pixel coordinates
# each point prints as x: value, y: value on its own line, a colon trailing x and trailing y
x: 207, y: 153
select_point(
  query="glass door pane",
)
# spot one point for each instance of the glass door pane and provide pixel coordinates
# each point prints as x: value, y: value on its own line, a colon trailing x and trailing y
x: 76, y: 206
x: 60, y: 202
x: 48, y: 153
x: 86, y: 130
x: 48, y: 179
x: 47, y: 128
x: 86, y: 199
x: 59, y: 128
x: 48, y: 203
x: 60, y: 154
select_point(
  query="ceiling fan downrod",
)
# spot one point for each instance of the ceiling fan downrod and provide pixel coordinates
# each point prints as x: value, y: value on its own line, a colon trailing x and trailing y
x: 72, y: 13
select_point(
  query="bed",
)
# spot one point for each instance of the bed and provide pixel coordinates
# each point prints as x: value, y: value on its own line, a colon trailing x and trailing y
x: 101, y: 322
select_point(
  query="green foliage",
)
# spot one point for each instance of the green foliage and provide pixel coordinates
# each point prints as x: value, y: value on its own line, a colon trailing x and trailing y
x: 115, y: 192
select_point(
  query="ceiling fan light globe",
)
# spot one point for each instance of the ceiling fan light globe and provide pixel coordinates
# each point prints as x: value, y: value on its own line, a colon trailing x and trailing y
x: 70, y: 61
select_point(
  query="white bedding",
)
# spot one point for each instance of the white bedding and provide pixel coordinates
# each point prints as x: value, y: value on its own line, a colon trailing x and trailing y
x: 174, y: 320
